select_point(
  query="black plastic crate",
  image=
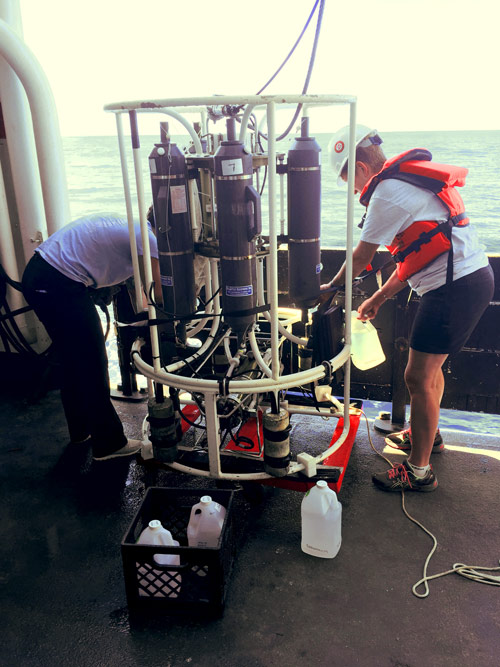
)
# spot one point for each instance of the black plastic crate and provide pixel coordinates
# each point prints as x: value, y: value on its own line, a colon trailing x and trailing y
x: 200, y: 581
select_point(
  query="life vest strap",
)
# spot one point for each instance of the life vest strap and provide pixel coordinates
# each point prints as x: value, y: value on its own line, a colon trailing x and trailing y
x: 425, y: 237
x: 416, y: 168
x: 457, y: 219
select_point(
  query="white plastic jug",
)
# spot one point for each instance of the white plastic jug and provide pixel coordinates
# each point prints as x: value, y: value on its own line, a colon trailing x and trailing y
x: 366, y: 350
x: 205, y: 523
x: 321, y: 515
x: 159, y: 583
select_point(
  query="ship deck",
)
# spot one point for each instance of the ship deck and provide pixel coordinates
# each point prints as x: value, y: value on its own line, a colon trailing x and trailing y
x: 63, y: 597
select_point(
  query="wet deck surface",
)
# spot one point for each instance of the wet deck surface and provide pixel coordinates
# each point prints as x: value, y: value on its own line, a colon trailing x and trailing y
x: 63, y: 598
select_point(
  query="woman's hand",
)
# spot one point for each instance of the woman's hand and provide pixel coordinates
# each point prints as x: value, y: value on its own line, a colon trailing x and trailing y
x: 369, y: 308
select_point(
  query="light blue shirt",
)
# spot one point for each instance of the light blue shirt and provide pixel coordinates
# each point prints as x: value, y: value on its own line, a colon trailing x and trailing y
x: 95, y: 250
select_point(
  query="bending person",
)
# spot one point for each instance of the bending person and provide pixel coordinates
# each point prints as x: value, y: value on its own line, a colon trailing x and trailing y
x: 438, y: 254
x: 91, y: 252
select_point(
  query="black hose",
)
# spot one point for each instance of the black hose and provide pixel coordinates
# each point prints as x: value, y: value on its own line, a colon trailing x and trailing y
x: 9, y: 331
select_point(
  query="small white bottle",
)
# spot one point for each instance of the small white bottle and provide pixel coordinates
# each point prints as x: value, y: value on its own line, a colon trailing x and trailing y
x: 321, y: 515
x: 205, y: 523
x: 159, y: 583
x: 366, y: 350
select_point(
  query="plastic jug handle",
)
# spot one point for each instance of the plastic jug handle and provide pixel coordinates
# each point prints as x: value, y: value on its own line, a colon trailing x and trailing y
x: 195, y: 516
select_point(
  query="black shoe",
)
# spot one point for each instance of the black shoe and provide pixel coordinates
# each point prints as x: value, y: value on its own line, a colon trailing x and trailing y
x: 402, y: 440
x: 402, y: 478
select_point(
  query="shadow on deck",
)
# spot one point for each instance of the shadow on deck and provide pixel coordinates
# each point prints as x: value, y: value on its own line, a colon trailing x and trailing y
x: 63, y: 597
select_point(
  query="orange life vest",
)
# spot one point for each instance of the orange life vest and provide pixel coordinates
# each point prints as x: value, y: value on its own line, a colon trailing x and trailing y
x: 424, y: 240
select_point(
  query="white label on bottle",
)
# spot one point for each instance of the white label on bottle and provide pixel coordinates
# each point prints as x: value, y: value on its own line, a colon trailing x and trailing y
x: 152, y: 166
x: 178, y: 198
x: 232, y: 167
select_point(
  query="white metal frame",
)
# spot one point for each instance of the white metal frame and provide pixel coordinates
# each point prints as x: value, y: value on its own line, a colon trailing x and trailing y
x: 273, y: 382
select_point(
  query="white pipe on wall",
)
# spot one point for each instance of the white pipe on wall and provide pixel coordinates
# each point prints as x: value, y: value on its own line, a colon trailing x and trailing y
x: 21, y: 156
x: 45, y: 125
x: 7, y: 250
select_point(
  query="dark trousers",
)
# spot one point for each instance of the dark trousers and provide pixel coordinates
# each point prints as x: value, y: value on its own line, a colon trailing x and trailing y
x: 447, y: 316
x: 71, y: 320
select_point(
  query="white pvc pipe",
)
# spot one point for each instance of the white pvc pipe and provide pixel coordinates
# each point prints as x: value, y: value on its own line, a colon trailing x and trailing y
x: 282, y: 204
x: 204, y: 122
x: 212, y: 423
x: 168, y: 112
x: 267, y: 316
x: 272, y: 266
x: 130, y: 215
x: 349, y: 245
x: 227, y: 350
x: 146, y: 250
x: 284, y: 332
x: 45, y: 125
x: 258, y: 357
x: 237, y: 386
x: 221, y: 100
x: 244, y: 122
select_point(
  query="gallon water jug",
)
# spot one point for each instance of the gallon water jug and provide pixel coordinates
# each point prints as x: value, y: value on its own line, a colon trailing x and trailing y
x: 366, y: 350
x: 205, y: 523
x: 321, y: 515
x: 153, y: 582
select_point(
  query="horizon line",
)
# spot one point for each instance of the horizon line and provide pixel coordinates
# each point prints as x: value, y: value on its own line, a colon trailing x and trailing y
x: 180, y: 134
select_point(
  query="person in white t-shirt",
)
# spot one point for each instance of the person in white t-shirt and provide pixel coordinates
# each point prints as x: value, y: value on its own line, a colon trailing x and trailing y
x: 87, y: 254
x: 455, y: 287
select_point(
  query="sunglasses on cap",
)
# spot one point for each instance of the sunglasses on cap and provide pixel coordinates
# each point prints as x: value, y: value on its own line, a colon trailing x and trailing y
x: 370, y: 140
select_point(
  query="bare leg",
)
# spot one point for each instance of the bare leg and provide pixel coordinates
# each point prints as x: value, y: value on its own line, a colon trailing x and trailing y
x: 425, y: 381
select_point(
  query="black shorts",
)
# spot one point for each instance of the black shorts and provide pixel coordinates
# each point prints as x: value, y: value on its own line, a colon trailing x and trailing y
x: 447, y: 316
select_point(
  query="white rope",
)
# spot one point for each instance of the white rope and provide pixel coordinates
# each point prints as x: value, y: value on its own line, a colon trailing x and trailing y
x: 474, y: 572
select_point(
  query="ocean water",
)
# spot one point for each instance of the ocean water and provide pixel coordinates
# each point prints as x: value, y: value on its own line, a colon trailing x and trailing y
x: 95, y: 180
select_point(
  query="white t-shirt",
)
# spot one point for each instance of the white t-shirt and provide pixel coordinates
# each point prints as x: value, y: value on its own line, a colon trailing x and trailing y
x: 395, y: 205
x: 95, y: 250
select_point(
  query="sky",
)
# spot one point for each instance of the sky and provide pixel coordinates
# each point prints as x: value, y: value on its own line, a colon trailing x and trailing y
x: 412, y: 64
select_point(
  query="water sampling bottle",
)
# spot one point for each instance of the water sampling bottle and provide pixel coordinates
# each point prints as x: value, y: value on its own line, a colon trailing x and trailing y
x: 321, y: 515
x: 366, y: 350
x: 205, y: 523
x: 159, y: 583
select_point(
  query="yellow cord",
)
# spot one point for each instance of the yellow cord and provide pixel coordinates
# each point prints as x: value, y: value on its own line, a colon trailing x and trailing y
x: 469, y: 571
